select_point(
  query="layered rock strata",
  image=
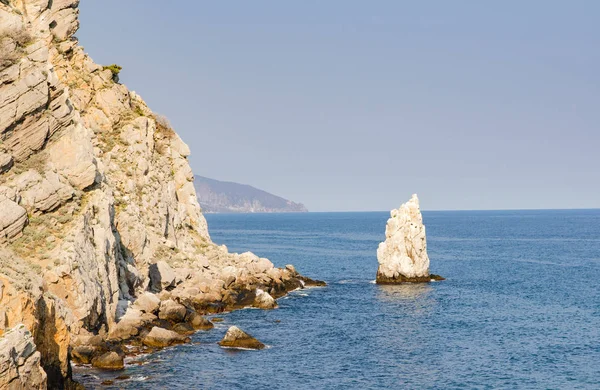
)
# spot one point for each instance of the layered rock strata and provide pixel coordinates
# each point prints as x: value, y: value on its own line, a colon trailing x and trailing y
x: 102, y: 239
x: 20, y: 361
x: 403, y: 255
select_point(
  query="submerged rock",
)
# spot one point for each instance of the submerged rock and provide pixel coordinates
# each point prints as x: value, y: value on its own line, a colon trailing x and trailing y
x: 237, y: 338
x: 403, y: 255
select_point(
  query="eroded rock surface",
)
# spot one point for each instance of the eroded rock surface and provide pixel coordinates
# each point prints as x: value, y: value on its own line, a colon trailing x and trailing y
x: 102, y: 238
x: 20, y: 365
x: 403, y: 255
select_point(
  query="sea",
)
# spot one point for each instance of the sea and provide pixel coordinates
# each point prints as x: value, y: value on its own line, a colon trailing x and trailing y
x: 519, y: 309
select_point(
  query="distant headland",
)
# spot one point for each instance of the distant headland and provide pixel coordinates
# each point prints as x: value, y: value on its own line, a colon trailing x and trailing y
x: 217, y: 196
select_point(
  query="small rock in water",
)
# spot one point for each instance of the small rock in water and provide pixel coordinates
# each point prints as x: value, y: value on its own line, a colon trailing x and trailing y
x: 217, y: 319
x: 237, y: 338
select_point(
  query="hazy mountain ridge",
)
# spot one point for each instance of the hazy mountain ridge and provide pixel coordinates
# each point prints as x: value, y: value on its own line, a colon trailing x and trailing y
x: 217, y: 196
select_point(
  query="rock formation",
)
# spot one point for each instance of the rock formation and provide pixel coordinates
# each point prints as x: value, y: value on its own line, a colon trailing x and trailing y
x: 20, y: 367
x: 101, y: 235
x: 237, y: 338
x: 403, y: 255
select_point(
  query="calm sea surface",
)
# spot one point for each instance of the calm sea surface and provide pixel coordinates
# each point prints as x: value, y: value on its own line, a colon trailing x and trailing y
x: 520, y: 308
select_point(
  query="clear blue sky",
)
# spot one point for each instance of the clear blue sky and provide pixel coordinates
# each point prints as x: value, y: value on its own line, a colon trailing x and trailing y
x: 355, y: 105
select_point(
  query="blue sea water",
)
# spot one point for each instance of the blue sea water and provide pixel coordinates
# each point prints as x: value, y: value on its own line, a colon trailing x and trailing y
x: 520, y: 308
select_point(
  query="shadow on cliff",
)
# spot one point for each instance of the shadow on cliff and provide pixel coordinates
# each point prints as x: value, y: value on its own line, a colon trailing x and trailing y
x: 52, y: 342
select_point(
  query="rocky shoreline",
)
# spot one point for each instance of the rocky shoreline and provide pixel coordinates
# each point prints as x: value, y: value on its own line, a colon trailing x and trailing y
x: 104, y: 250
x: 156, y: 321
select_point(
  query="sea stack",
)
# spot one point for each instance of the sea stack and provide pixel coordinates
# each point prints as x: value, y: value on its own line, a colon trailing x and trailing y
x: 403, y: 255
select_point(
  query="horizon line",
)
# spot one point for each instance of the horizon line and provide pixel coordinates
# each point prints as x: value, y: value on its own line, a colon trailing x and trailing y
x: 387, y: 211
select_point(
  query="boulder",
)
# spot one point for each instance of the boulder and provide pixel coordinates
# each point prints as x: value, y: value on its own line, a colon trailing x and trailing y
x: 172, y: 311
x: 147, y: 302
x: 264, y: 300
x: 160, y: 337
x: 237, y: 338
x: 83, y: 353
x: 6, y: 162
x: 109, y: 361
x: 403, y: 255
x: 161, y: 276
x: 73, y: 157
x: 12, y: 219
x: 184, y: 329
x: 198, y: 322
x: 47, y: 194
x: 291, y: 269
x: 20, y: 366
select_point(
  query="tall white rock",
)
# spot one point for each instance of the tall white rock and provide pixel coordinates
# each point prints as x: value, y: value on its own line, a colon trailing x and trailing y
x: 403, y: 255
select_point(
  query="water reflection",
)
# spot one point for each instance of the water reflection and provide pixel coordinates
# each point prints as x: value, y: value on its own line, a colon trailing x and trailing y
x: 414, y: 297
x: 405, y: 291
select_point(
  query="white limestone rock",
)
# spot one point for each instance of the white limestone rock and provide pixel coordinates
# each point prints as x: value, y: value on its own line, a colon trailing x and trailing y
x: 403, y: 255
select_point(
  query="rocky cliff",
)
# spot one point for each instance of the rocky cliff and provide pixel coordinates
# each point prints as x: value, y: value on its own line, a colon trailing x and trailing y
x: 403, y: 255
x: 227, y: 197
x: 101, y: 233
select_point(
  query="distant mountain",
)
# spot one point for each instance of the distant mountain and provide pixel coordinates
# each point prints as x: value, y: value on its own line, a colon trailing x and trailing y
x: 227, y: 197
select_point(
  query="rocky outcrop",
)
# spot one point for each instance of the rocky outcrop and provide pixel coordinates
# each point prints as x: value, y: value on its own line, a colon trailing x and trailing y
x: 403, y: 255
x: 237, y: 338
x: 101, y: 234
x: 20, y: 362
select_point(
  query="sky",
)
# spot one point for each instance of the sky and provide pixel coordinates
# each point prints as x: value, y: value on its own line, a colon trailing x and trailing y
x: 350, y: 105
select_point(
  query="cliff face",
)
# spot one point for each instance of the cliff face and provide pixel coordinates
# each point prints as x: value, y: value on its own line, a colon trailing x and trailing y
x: 227, y: 197
x: 94, y: 191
